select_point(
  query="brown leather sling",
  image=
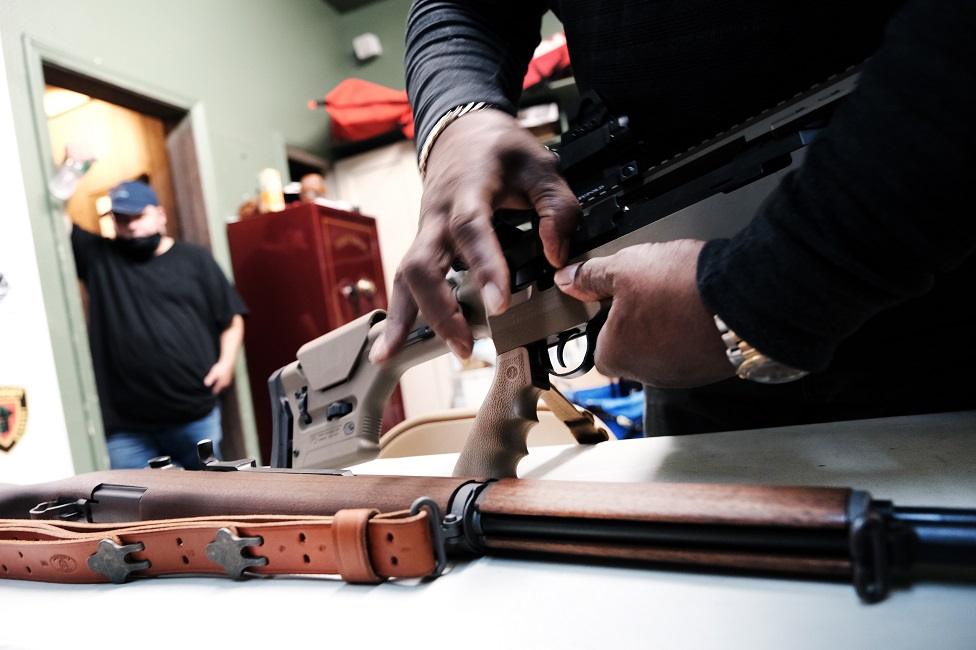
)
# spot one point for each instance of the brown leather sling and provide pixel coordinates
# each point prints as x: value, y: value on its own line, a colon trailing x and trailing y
x: 360, y: 545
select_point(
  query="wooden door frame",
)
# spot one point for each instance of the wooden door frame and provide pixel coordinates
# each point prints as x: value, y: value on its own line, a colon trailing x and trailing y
x: 69, y: 336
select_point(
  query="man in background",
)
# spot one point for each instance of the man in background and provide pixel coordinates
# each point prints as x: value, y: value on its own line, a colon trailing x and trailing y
x: 165, y: 328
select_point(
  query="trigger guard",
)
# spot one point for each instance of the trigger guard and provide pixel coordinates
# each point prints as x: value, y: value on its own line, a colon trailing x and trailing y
x: 593, y: 328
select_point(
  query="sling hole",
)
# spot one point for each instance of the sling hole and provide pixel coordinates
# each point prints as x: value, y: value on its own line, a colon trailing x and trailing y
x: 29, y: 570
x: 179, y: 541
x: 185, y: 559
x: 306, y: 559
x: 301, y: 538
x: 20, y: 554
x: 322, y: 547
x: 394, y: 560
x: 389, y: 537
x: 5, y: 569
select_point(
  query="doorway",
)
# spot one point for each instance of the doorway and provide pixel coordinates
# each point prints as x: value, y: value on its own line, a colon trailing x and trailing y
x: 133, y: 137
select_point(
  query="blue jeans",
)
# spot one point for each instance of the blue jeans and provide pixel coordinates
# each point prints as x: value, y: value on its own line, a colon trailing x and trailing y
x: 133, y: 449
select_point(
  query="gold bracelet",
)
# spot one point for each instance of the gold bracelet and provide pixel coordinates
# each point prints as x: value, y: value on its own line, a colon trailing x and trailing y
x: 442, y: 124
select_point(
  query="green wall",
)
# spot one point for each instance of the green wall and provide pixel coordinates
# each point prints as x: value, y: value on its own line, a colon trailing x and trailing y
x: 387, y: 19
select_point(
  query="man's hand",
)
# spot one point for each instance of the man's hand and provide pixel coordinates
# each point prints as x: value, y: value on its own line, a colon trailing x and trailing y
x: 220, y: 377
x: 658, y: 331
x: 222, y: 373
x: 481, y: 162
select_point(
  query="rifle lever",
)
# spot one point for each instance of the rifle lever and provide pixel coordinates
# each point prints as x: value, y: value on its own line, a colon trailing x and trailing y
x: 107, y: 503
x: 62, y: 508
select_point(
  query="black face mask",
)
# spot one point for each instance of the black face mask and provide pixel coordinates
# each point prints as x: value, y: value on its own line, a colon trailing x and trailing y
x: 138, y: 248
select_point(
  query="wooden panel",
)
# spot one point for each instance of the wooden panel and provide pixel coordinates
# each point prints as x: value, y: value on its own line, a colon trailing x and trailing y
x: 353, y: 251
x: 749, y: 505
x: 806, y: 564
x: 187, y: 186
x: 157, y: 166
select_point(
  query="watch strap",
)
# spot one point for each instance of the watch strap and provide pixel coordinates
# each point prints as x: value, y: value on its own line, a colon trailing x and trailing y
x: 750, y: 363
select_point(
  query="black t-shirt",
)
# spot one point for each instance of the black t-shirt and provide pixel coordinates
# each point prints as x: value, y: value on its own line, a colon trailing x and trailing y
x: 154, y: 329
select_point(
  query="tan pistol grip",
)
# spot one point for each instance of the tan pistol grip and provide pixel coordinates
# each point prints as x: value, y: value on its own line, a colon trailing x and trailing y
x: 497, y: 440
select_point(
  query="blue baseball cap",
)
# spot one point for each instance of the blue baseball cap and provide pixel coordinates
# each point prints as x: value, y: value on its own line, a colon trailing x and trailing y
x: 132, y: 197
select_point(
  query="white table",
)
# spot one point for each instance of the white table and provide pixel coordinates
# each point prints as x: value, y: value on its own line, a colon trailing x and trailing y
x: 507, y: 603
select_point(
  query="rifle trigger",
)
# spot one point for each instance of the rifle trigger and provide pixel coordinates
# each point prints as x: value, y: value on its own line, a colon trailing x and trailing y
x: 560, y: 349
x: 593, y: 329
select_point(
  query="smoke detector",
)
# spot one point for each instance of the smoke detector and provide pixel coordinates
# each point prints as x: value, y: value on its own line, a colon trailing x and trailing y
x: 367, y: 46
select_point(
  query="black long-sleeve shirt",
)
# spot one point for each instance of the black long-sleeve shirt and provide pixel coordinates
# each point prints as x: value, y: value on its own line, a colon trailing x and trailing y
x: 860, y: 263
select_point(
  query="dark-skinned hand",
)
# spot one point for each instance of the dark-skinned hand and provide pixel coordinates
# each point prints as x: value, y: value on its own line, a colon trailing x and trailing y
x: 481, y: 162
x: 658, y: 331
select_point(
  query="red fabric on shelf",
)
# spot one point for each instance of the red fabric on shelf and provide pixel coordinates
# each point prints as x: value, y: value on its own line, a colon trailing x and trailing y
x: 551, y: 58
x: 360, y: 110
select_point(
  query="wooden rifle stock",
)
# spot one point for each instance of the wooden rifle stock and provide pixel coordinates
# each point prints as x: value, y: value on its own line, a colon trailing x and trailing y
x: 817, y: 531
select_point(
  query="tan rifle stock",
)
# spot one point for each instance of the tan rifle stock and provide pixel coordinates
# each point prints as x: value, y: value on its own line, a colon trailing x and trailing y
x: 334, y: 397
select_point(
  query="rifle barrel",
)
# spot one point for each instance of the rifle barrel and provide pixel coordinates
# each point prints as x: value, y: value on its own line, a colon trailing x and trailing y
x: 939, y: 536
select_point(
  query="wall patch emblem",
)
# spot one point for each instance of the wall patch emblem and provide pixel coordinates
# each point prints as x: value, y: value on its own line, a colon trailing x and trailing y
x: 13, y: 416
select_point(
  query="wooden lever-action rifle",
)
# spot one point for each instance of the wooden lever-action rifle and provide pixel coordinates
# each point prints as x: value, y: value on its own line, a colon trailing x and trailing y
x: 113, y: 525
x: 327, y: 404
